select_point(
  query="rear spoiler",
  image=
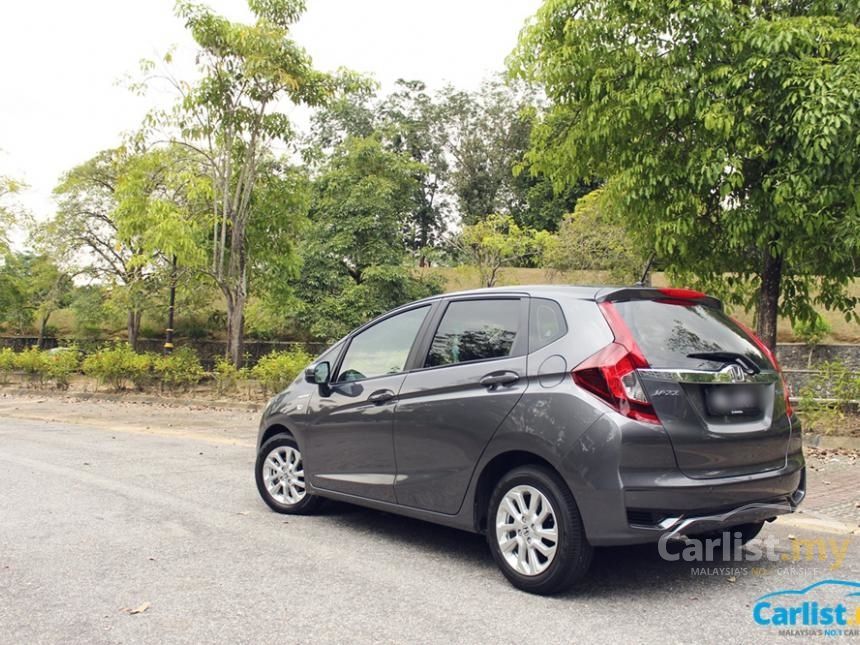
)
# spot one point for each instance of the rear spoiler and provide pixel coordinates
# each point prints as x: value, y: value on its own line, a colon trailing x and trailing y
x: 680, y: 296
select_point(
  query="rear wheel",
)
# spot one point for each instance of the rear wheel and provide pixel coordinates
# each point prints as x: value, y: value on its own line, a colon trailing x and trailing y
x: 280, y: 478
x: 535, y: 531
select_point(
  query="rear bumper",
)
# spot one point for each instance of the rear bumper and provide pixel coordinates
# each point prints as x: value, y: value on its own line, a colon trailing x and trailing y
x: 675, y: 504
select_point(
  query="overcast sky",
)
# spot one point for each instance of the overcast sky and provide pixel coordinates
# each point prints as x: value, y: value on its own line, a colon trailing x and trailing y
x: 61, y: 99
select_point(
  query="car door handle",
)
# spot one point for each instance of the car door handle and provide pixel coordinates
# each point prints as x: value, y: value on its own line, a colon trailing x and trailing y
x: 381, y: 396
x: 495, y: 379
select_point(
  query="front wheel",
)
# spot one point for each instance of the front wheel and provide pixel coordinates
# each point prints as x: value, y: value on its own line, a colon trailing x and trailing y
x: 280, y: 478
x: 535, y: 531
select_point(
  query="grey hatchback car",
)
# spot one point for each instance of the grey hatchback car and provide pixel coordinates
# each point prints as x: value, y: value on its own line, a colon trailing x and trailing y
x: 553, y: 419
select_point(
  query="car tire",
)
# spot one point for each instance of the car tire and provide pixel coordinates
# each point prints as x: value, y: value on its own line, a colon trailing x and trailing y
x: 280, y: 478
x: 748, y: 532
x: 521, y: 540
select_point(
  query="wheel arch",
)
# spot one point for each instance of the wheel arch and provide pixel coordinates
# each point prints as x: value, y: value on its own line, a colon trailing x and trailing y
x: 273, y: 431
x: 493, y: 471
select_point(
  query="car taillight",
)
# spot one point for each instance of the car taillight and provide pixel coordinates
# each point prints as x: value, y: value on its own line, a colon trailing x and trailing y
x: 786, y: 391
x: 611, y: 373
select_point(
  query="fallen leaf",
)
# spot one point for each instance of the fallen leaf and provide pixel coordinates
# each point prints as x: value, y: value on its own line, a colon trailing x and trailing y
x: 732, y: 579
x: 140, y: 609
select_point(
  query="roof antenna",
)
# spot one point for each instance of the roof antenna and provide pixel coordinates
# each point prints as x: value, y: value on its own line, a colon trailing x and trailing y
x: 645, y: 273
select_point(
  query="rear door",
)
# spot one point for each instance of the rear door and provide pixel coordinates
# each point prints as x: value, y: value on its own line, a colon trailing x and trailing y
x: 716, y: 392
x: 471, y: 373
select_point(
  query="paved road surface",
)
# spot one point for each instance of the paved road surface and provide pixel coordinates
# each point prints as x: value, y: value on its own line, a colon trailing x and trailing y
x: 95, y: 520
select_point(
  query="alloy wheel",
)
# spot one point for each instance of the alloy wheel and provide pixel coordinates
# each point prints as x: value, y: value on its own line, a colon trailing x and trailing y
x: 526, y: 530
x: 284, y: 475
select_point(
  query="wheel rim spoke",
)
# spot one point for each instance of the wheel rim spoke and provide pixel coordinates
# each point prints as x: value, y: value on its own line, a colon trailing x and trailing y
x: 527, y: 530
x: 284, y: 475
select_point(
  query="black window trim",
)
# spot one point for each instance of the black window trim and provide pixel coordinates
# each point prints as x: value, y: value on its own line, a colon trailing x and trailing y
x: 431, y: 304
x: 521, y: 342
x: 563, y: 320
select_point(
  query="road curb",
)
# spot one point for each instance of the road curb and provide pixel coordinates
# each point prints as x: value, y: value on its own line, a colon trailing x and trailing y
x: 249, y: 406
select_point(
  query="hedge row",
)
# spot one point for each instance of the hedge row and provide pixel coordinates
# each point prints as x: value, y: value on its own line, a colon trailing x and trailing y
x: 119, y: 367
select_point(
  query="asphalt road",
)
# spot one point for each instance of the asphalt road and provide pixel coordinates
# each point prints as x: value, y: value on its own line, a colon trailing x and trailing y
x: 95, y: 521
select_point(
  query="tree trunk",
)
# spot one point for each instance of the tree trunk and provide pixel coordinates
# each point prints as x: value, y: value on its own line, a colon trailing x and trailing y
x: 133, y: 327
x: 236, y: 327
x: 43, y: 325
x: 768, y: 298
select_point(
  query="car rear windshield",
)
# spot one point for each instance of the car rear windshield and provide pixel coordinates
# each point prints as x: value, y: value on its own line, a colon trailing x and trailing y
x: 670, y: 332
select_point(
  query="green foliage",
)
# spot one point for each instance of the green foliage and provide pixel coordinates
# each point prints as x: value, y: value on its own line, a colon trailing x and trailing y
x: 7, y: 364
x: 594, y: 238
x: 58, y: 366
x: 90, y: 315
x: 226, y: 375
x: 179, y: 369
x: 729, y: 128
x: 357, y: 263
x: 829, y: 396
x: 497, y: 241
x: 811, y: 333
x: 32, y: 363
x: 118, y: 365
x: 277, y: 370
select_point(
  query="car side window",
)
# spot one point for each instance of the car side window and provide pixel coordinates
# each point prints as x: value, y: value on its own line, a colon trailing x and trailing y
x: 546, y: 323
x: 474, y: 330
x: 383, y: 348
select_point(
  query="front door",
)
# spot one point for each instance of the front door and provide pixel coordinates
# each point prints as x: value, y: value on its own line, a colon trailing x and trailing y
x: 349, y: 447
x: 472, y: 375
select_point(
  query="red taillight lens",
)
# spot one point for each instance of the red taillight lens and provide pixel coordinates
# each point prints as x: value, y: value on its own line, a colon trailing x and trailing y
x: 772, y: 358
x: 611, y: 373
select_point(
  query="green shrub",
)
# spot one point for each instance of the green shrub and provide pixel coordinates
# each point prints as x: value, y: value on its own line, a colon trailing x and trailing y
x: 811, y: 333
x: 7, y: 364
x: 60, y: 365
x: 181, y: 369
x: 226, y: 375
x: 276, y: 370
x: 118, y: 365
x: 32, y: 362
x: 836, y: 383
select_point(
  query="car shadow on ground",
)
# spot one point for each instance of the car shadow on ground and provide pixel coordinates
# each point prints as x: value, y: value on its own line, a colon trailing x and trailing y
x: 615, y: 571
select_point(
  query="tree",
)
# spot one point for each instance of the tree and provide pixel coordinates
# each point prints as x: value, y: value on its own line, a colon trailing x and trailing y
x: 488, y: 134
x: 497, y: 241
x: 230, y: 118
x: 10, y: 212
x: 593, y: 238
x: 356, y: 261
x: 83, y: 234
x: 729, y: 128
x: 408, y: 121
x: 31, y: 286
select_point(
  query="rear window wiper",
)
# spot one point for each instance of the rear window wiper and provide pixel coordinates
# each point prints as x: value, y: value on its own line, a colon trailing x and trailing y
x: 729, y: 357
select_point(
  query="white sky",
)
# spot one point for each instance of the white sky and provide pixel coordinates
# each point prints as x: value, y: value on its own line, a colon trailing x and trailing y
x: 61, y: 63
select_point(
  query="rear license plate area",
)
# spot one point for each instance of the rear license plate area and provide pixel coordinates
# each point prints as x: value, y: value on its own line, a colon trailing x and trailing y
x: 733, y: 401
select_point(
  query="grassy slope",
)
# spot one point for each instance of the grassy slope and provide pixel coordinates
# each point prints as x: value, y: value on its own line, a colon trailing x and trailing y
x: 457, y: 278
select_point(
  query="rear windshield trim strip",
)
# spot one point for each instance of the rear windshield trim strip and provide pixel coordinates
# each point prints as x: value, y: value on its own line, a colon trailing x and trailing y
x: 706, y: 376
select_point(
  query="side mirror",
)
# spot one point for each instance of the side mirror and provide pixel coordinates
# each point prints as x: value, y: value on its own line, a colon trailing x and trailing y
x: 319, y: 373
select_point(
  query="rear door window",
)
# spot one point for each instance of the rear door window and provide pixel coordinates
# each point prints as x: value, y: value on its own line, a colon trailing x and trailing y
x: 670, y: 333
x: 475, y: 330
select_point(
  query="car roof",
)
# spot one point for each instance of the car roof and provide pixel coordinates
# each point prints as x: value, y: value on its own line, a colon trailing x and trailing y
x: 537, y: 290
